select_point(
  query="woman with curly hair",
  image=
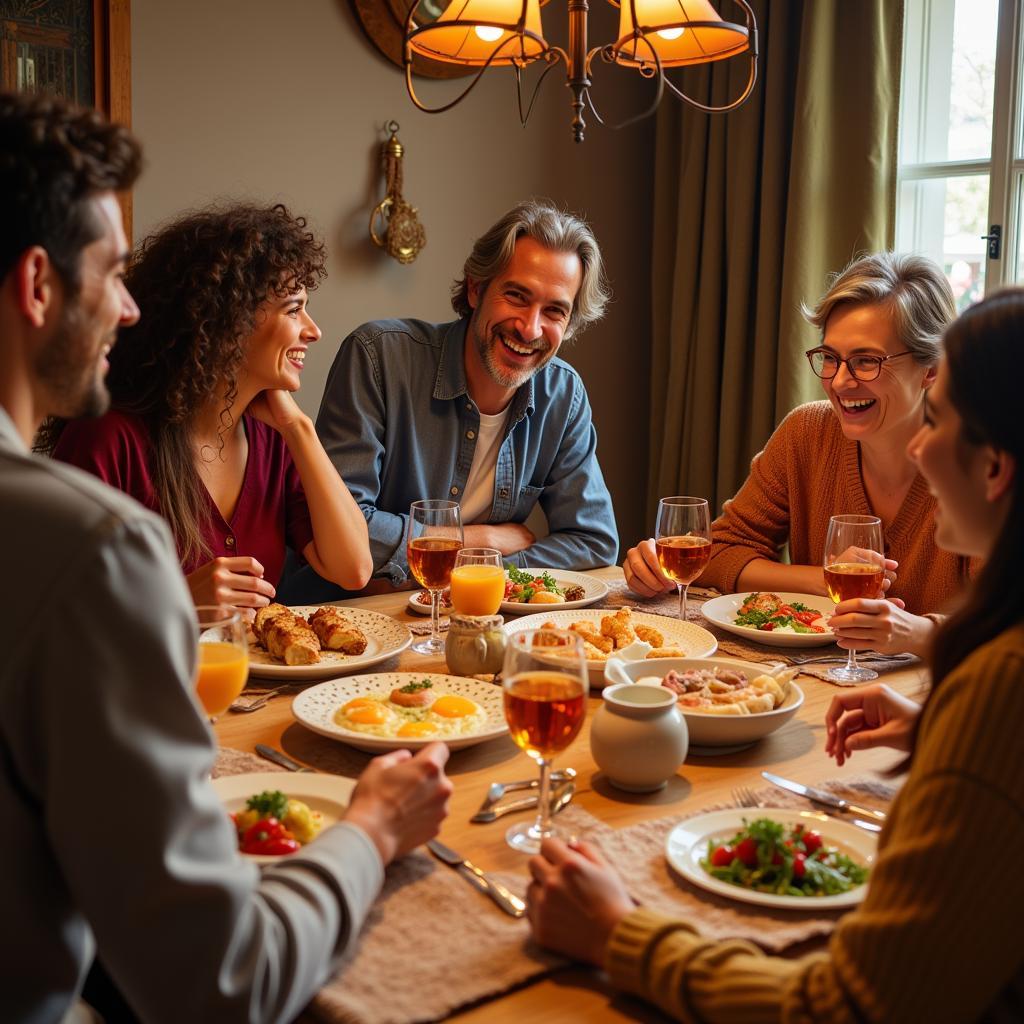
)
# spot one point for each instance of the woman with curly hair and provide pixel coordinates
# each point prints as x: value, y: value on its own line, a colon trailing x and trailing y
x: 203, y: 428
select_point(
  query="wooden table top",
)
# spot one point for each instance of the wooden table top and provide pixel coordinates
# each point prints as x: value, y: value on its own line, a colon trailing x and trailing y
x: 795, y: 751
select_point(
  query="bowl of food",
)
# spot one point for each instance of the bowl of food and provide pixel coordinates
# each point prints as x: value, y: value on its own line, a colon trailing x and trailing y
x: 527, y: 589
x: 275, y: 814
x: 727, y: 704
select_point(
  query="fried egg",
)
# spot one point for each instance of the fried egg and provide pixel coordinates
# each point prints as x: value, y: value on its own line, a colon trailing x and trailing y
x: 447, y: 716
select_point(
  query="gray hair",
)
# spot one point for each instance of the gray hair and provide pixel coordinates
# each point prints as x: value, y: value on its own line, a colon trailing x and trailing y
x: 554, y: 229
x: 914, y: 288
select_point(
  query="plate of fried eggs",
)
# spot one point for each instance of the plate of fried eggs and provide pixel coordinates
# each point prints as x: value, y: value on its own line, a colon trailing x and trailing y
x: 394, y: 710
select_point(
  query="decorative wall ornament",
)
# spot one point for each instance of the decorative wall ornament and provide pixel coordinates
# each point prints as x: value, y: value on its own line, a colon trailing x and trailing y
x: 403, y: 234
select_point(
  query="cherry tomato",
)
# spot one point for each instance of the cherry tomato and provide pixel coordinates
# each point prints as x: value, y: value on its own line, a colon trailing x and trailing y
x: 812, y: 841
x: 799, y: 865
x: 275, y: 847
x: 746, y: 850
x: 722, y: 857
x: 268, y: 836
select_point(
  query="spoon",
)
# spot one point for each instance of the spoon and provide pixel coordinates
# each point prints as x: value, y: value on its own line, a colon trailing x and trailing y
x: 558, y: 801
x: 497, y: 790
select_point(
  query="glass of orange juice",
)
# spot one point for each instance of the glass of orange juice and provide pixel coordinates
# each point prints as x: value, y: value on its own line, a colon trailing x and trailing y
x: 223, y: 657
x: 478, y: 581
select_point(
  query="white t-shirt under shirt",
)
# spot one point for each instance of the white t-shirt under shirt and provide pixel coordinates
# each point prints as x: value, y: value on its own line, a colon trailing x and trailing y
x: 478, y: 496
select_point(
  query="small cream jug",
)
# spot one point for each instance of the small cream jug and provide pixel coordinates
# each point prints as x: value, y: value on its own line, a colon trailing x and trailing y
x: 638, y: 737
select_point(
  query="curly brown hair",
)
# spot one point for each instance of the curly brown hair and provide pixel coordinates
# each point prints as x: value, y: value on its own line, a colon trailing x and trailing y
x: 199, y: 282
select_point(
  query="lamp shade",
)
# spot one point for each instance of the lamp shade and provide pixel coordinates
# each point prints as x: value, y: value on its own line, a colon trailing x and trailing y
x: 470, y: 31
x: 681, y: 31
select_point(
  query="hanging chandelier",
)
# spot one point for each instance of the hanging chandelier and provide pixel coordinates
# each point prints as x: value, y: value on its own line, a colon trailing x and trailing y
x: 653, y: 35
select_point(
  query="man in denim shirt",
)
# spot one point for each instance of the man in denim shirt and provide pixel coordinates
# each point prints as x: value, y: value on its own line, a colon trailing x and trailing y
x: 479, y: 410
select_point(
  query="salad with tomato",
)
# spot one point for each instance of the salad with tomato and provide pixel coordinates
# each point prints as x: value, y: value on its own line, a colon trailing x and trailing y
x: 522, y: 586
x: 769, y: 613
x: 274, y: 825
x: 767, y: 857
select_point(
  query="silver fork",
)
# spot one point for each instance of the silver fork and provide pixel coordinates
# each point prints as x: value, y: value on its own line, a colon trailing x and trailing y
x: 255, y: 701
x: 744, y: 797
x: 821, y: 659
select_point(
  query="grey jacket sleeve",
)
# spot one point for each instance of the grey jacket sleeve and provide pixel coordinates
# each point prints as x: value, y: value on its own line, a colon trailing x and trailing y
x: 188, y: 929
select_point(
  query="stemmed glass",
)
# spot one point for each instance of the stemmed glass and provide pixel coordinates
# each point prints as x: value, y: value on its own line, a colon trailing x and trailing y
x: 682, y: 538
x: 853, y: 568
x: 478, y: 581
x: 545, y: 682
x: 433, y: 540
x: 223, y: 658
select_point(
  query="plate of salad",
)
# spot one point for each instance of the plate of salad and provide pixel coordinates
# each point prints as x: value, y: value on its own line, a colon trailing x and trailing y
x: 774, y: 857
x: 778, y: 620
x: 527, y: 589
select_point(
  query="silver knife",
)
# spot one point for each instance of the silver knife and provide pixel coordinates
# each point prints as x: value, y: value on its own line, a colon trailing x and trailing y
x: 508, y: 901
x: 820, y: 796
x: 270, y: 754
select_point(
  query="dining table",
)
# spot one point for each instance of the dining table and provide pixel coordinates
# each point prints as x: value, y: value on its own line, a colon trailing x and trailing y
x: 795, y: 751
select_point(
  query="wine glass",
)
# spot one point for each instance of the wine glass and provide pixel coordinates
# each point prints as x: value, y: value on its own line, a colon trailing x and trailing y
x: 478, y: 581
x: 853, y: 568
x: 433, y: 540
x: 545, y: 685
x: 223, y: 657
x: 682, y: 538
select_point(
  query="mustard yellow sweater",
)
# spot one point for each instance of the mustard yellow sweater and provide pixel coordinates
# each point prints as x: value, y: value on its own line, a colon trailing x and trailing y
x: 808, y: 472
x: 939, y: 934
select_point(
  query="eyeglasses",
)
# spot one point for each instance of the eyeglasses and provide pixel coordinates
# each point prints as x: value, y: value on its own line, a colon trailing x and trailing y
x: 825, y: 363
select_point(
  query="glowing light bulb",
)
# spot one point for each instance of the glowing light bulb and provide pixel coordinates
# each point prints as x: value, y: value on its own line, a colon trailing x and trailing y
x: 489, y: 33
x: 667, y: 34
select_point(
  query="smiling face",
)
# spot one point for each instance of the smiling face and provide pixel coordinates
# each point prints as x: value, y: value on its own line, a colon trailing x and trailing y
x: 276, y: 349
x: 966, y: 516
x: 890, y: 405
x: 520, y: 318
x: 72, y: 364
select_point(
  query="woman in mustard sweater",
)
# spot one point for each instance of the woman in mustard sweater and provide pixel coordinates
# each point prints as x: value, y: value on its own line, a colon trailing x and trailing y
x: 937, y: 936
x: 881, y: 324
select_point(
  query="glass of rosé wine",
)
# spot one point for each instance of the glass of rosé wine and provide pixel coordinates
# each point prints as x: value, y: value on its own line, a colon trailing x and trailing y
x: 682, y: 539
x: 433, y: 541
x: 854, y: 567
x: 546, y: 683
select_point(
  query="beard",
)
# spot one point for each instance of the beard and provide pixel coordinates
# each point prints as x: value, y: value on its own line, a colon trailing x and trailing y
x: 69, y: 368
x: 487, y: 339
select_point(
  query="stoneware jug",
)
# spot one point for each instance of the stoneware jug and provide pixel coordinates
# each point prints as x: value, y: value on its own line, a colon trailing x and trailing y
x: 638, y: 737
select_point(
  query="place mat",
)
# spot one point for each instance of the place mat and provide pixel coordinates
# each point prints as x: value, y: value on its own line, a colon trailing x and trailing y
x: 424, y: 628
x: 638, y: 853
x: 620, y: 596
x: 430, y: 944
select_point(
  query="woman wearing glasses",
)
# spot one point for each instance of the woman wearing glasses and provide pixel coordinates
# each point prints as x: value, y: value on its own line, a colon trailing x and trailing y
x: 881, y: 323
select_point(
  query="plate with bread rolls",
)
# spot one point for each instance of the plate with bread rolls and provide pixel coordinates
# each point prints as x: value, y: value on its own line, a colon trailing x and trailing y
x: 321, y: 641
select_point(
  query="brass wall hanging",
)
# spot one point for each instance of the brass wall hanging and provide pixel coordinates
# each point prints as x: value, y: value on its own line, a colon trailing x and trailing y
x: 404, y: 237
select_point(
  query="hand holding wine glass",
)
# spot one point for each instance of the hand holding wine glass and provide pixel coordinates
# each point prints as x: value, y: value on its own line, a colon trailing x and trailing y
x: 223, y: 657
x: 433, y: 541
x: 854, y: 567
x: 545, y: 681
x: 682, y: 537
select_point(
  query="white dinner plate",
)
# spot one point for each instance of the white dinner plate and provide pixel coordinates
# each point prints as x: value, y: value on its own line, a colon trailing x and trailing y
x: 722, y: 612
x: 693, y: 640
x: 385, y: 637
x: 315, y: 709
x: 687, y: 845
x: 594, y: 591
x: 422, y: 607
x: 327, y: 794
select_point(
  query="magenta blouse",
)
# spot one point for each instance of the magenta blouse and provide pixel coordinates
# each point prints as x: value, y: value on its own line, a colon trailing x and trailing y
x: 271, y: 512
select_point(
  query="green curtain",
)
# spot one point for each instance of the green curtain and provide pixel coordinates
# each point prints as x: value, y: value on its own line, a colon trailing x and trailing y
x: 752, y: 212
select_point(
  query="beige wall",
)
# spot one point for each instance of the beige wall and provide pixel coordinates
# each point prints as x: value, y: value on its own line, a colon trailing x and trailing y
x: 286, y: 101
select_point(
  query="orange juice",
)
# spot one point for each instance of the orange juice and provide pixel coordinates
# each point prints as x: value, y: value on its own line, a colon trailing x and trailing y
x: 223, y: 669
x: 477, y: 589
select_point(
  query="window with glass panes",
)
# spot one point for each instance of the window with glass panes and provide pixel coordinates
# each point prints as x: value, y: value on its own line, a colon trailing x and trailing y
x: 961, y: 164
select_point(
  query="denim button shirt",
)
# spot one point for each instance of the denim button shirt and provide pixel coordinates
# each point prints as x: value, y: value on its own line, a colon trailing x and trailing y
x: 399, y: 425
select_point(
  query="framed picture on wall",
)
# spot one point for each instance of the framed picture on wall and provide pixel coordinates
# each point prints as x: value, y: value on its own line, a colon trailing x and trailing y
x: 79, y: 50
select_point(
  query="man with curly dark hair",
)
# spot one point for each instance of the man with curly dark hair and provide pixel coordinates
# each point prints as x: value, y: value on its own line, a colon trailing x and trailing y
x: 204, y: 430
x: 480, y: 410
x: 117, y: 843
